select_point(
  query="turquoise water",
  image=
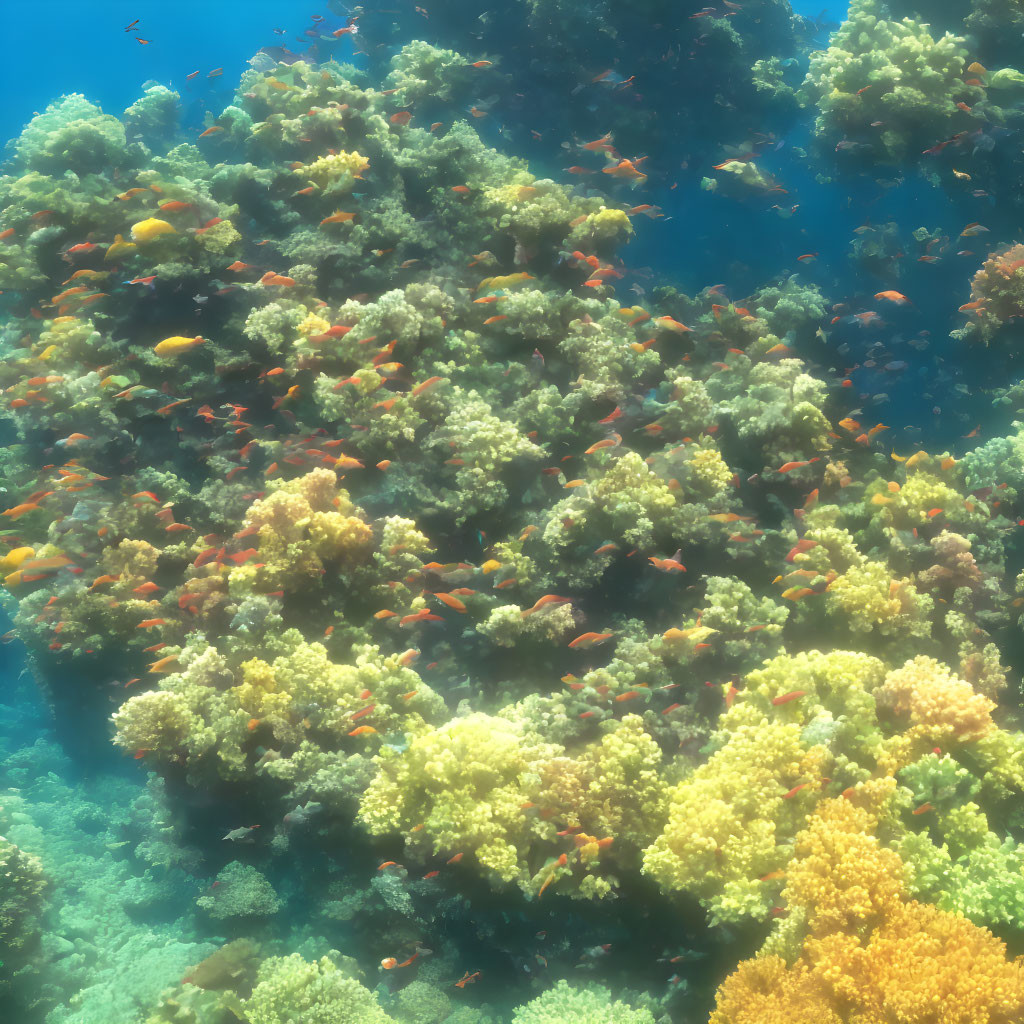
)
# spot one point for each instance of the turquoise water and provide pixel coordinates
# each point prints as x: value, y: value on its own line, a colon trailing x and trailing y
x: 511, y: 514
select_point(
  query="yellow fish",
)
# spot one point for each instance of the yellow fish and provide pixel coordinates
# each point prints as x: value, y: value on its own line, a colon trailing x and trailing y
x: 150, y: 228
x: 490, y: 566
x: 14, y: 558
x: 119, y: 248
x: 503, y: 281
x: 176, y: 345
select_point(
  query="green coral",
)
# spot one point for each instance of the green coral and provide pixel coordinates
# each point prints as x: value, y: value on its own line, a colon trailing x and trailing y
x: 582, y: 1004
x: 72, y: 134
x: 241, y: 891
x: 893, y: 72
x: 289, y: 988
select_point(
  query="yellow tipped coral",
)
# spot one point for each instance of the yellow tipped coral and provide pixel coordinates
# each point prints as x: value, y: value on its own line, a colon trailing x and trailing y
x: 940, y: 706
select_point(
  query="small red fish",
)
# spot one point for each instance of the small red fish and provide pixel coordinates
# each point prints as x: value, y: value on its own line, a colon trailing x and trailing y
x: 785, y: 698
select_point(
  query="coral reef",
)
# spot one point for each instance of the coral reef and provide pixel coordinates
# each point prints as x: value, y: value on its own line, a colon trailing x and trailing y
x: 480, y: 627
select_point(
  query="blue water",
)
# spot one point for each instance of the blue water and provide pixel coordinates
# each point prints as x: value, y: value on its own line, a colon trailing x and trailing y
x: 86, y: 48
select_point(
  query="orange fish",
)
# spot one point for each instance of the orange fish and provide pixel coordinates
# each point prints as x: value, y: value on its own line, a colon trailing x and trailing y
x: 627, y: 170
x: 796, y: 789
x: 339, y: 217
x: 425, y: 385
x: 668, y: 564
x: 211, y: 131
x: 452, y: 602
x: 602, y: 143
x: 423, y: 615
x: 608, y: 442
x: 587, y: 640
x: 790, y: 466
x: 19, y: 510
x: 547, y: 599
x: 896, y: 297
x: 402, y: 118
x: 363, y: 730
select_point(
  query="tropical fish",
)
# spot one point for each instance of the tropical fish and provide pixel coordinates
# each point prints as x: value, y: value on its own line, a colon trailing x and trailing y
x: 149, y: 229
x: 176, y: 345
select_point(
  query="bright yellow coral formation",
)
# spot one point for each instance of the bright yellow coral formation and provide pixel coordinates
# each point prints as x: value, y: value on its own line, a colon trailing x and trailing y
x: 870, y: 954
x: 300, y: 526
x: 726, y: 821
x: 489, y: 787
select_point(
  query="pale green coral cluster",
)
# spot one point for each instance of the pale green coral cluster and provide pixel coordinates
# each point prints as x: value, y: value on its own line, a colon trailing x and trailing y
x: 581, y: 1004
x: 892, y: 72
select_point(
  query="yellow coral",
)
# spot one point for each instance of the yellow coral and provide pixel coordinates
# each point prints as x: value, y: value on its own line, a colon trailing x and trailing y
x: 302, y: 524
x: 335, y: 172
x: 726, y: 821
x: 871, y: 956
x: 940, y: 706
x: 867, y: 597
